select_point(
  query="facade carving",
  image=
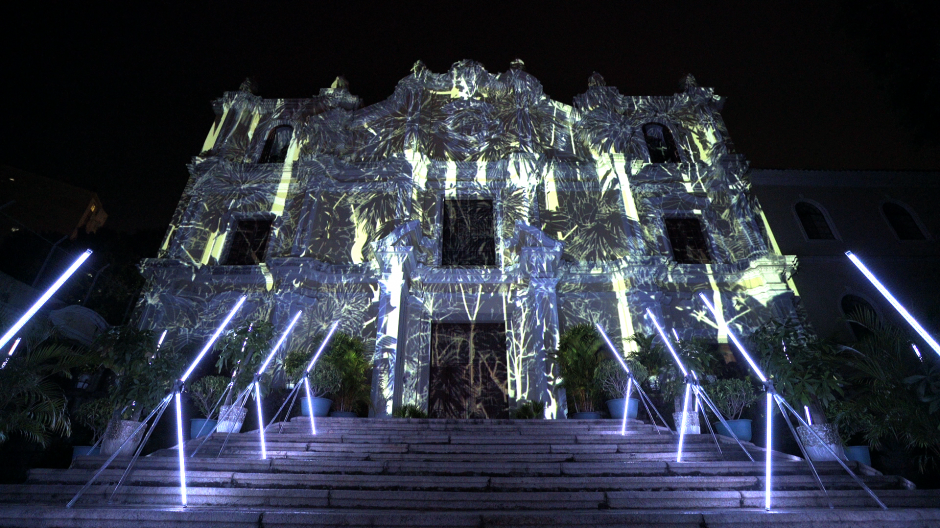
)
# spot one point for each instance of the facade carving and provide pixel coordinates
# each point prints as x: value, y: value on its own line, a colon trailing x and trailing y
x: 589, y: 212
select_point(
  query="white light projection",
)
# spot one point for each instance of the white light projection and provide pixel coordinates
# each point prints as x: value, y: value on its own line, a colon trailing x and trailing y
x: 363, y: 205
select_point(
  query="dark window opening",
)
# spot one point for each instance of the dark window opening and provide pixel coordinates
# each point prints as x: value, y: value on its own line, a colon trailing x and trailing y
x: 249, y: 242
x: 688, y: 241
x: 854, y: 306
x: 468, y: 375
x: 660, y: 144
x: 469, y: 233
x: 275, y: 148
x: 814, y: 222
x: 902, y: 222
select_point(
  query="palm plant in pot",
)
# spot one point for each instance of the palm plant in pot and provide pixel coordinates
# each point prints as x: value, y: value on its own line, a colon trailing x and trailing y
x: 613, y: 381
x: 95, y: 415
x: 893, y: 402
x: 324, y: 380
x: 241, y: 351
x: 142, y: 376
x: 732, y: 396
x: 347, y: 354
x: 807, y: 372
x: 580, y: 352
x: 205, y: 392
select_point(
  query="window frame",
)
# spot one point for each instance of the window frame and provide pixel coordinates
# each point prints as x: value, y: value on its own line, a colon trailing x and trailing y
x: 910, y: 211
x: 268, y: 136
x: 494, y: 203
x: 836, y: 236
x: 233, y: 230
x: 672, y: 131
x: 709, y: 246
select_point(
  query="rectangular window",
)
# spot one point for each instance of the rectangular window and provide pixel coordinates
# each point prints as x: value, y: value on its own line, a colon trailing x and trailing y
x: 249, y: 242
x: 688, y: 241
x: 468, y: 234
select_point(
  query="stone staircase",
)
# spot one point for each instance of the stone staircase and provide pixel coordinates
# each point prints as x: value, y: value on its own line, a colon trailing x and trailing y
x: 429, y: 472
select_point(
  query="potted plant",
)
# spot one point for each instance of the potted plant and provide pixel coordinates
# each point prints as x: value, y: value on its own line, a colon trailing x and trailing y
x: 893, y: 399
x: 348, y: 356
x: 409, y: 411
x: 95, y: 415
x: 580, y: 351
x: 205, y: 393
x: 613, y: 381
x: 323, y: 380
x: 142, y: 376
x: 807, y: 372
x: 241, y: 351
x: 732, y: 396
x: 529, y: 410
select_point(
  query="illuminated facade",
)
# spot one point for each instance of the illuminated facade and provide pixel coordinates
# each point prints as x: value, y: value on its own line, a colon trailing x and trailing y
x: 460, y: 224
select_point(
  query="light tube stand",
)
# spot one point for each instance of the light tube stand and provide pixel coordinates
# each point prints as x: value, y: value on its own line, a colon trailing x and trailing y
x: 626, y: 408
x: 181, y: 446
x: 685, y: 420
x: 313, y: 425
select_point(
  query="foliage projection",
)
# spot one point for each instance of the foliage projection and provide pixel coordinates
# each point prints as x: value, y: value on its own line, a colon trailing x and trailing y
x: 471, y: 198
x: 468, y: 371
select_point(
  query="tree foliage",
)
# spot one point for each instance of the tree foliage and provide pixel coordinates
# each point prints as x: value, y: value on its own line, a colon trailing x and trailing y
x: 580, y: 351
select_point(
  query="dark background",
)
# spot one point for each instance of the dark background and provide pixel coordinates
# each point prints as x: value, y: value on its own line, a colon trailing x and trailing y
x: 115, y: 98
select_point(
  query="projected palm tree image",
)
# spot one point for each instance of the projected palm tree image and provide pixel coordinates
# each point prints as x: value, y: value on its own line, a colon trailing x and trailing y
x: 468, y: 371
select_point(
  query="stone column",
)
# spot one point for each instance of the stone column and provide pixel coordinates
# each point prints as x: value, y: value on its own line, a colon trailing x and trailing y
x: 396, y: 263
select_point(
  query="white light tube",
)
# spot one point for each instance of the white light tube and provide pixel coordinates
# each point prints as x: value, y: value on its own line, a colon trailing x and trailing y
x: 279, y: 342
x: 916, y: 351
x: 42, y: 300
x: 662, y: 333
x: 894, y: 302
x: 326, y: 340
x: 264, y: 449
x: 767, y: 464
x: 613, y: 349
x: 215, y: 336
x: 626, y: 407
x: 160, y: 342
x: 15, y: 343
x: 179, y: 438
x: 685, y: 418
x: 313, y: 426
x: 721, y: 321
x: 809, y: 418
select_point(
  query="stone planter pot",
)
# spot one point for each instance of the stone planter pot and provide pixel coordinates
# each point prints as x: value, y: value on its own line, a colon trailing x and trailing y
x: 615, y: 408
x: 201, y: 427
x: 321, y: 407
x: 814, y: 448
x: 858, y: 453
x: 741, y: 429
x: 692, y: 425
x: 231, y: 419
x: 117, y: 432
x: 344, y: 414
x: 78, y: 451
x: 585, y: 416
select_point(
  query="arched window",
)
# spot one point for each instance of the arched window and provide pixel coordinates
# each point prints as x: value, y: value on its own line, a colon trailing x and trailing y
x: 855, y: 306
x: 902, y: 222
x: 814, y: 222
x: 660, y: 144
x: 275, y: 148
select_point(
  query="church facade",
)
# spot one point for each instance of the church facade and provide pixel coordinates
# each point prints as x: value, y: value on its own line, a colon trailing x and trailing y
x: 460, y: 225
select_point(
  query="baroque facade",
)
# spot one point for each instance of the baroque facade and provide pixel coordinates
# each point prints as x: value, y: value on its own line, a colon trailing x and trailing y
x: 461, y: 224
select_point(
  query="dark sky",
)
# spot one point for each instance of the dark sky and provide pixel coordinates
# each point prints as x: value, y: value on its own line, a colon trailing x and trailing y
x: 117, y: 98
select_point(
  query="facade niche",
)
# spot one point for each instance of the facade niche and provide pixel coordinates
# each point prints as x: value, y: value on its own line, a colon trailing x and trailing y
x: 902, y: 222
x: 814, y: 222
x: 275, y: 147
x: 468, y: 235
x: 249, y: 242
x: 687, y: 240
x: 659, y: 143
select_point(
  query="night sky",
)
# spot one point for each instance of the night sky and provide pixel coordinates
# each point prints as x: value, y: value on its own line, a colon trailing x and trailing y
x: 117, y: 99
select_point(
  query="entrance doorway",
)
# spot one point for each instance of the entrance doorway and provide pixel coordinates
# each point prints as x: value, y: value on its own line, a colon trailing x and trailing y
x: 468, y: 371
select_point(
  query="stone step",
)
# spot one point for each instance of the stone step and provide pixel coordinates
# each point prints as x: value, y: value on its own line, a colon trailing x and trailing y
x: 34, y: 517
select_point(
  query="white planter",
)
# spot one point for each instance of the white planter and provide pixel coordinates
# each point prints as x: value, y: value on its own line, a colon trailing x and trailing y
x: 817, y: 450
x: 691, y: 422
x: 231, y: 419
x: 116, y: 433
